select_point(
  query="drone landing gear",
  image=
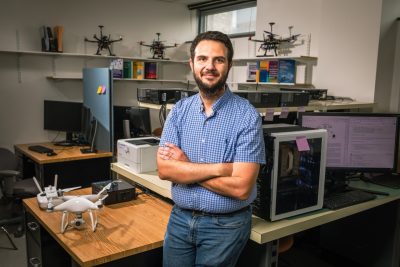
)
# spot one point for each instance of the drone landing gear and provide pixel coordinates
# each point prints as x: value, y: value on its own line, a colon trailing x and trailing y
x: 78, y: 222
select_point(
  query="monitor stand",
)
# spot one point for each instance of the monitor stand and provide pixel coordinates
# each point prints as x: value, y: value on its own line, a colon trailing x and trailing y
x: 67, y: 142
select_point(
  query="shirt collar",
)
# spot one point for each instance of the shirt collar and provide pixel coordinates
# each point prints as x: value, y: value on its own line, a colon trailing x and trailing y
x: 218, y: 104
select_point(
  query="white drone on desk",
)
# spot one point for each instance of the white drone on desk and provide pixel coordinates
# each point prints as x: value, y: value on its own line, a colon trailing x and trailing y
x: 53, y: 199
x: 80, y: 204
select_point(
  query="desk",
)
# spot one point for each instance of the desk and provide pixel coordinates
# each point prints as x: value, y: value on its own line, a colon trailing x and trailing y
x: 73, y: 167
x: 124, y: 232
x: 266, y: 233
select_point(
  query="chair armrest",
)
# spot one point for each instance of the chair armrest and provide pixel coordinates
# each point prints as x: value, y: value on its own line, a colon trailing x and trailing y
x: 8, y: 173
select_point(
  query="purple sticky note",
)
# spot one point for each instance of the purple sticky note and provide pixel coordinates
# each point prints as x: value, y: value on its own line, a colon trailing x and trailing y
x: 302, y: 143
x: 284, y: 113
x: 269, y: 115
x: 103, y: 90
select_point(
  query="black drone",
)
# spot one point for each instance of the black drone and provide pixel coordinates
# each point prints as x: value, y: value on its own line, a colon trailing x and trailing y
x: 103, y: 42
x: 158, y: 47
x: 271, y: 41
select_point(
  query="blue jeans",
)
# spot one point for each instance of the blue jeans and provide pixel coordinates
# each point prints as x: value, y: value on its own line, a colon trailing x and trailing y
x: 205, y: 240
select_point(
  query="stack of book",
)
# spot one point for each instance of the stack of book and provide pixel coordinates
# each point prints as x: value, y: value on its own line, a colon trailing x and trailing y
x: 134, y: 70
x: 275, y: 71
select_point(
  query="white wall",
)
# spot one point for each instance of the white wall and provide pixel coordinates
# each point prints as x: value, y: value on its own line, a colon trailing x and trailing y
x: 21, y: 103
x: 386, y: 94
x: 344, y: 37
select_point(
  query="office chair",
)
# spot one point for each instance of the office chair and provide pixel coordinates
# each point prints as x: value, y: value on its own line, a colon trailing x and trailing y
x: 12, y: 190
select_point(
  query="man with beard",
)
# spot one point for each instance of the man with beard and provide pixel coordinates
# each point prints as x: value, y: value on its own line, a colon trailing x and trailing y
x: 210, y: 149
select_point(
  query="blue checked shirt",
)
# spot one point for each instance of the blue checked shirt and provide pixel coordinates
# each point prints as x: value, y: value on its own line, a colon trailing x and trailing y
x: 232, y: 133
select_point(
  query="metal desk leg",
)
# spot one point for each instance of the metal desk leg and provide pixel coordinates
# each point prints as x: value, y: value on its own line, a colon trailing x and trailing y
x: 270, y: 258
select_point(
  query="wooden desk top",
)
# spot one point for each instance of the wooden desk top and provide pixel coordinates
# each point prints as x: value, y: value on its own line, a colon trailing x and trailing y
x: 123, y: 229
x: 265, y: 231
x: 63, y: 153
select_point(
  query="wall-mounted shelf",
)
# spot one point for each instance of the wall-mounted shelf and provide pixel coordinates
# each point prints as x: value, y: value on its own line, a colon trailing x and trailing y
x: 56, y: 54
x: 62, y: 78
x: 312, y: 106
x: 300, y: 59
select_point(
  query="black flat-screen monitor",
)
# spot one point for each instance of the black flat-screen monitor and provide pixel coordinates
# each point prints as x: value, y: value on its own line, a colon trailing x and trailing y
x: 63, y: 116
x: 139, y: 121
x: 358, y: 142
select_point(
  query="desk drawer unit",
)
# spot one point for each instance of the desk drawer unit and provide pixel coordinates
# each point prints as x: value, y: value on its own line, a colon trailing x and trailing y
x: 42, y: 250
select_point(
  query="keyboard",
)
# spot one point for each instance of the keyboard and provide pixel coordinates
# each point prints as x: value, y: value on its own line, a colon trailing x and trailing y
x: 40, y: 149
x: 391, y: 180
x: 346, y: 199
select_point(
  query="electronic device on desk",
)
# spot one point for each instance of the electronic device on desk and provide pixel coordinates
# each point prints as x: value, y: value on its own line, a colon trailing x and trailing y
x: 63, y: 116
x: 53, y: 199
x: 40, y: 149
x: 292, y: 180
x: 156, y: 95
x: 183, y: 93
x: 357, y: 143
x: 120, y: 191
x: 138, y: 154
x: 346, y: 199
x: 314, y: 93
x: 294, y: 99
x: 89, y: 126
x: 261, y: 99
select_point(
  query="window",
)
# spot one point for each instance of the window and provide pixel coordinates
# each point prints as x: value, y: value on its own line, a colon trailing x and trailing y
x: 237, y: 19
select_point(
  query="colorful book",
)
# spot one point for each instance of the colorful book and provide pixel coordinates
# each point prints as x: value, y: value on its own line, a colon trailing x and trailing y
x: 251, y: 71
x: 262, y: 71
x: 117, y: 66
x: 128, y: 69
x: 273, y: 67
x: 287, y: 71
x: 138, y: 70
x: 150, y: 70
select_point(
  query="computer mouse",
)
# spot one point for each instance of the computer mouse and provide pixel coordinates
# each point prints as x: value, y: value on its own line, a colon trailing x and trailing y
x: 52, y: 153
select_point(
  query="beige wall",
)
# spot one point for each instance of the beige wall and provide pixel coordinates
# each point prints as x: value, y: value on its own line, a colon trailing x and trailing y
x: 344, y: 37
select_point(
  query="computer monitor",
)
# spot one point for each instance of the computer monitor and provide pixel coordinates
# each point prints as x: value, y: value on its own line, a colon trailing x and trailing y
x: 63, y: 116
x: 139, y: 121
x: 358, y: 142
x: 121, y: 114
x: 89, y: 131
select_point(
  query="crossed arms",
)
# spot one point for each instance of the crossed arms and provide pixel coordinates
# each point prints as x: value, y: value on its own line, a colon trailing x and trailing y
x: 234, y: 180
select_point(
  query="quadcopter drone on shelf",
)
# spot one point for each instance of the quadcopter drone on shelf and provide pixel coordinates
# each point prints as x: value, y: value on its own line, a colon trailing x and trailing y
x: 158, y: 47
x: 103, y: 42
x: 272, y: 41
x: 54, y: 200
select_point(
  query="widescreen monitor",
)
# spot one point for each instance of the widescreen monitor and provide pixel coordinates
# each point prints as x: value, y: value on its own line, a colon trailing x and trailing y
x: 358, y: 142
x: 64, y: 117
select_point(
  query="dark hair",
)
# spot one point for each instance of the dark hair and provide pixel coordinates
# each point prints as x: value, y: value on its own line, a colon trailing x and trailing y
x: 214, y: 36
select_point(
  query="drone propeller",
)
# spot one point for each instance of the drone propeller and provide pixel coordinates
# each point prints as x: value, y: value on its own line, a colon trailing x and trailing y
x: 270, y: 33
x: 69, y: 189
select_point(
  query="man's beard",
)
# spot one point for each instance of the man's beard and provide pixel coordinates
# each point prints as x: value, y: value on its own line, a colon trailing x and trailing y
x: 207, y: 90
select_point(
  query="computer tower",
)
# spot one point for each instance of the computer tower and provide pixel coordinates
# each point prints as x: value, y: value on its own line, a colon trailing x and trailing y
x: 292, y: 180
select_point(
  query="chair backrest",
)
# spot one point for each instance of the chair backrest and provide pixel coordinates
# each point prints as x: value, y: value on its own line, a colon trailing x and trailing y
x: 8, y: 160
